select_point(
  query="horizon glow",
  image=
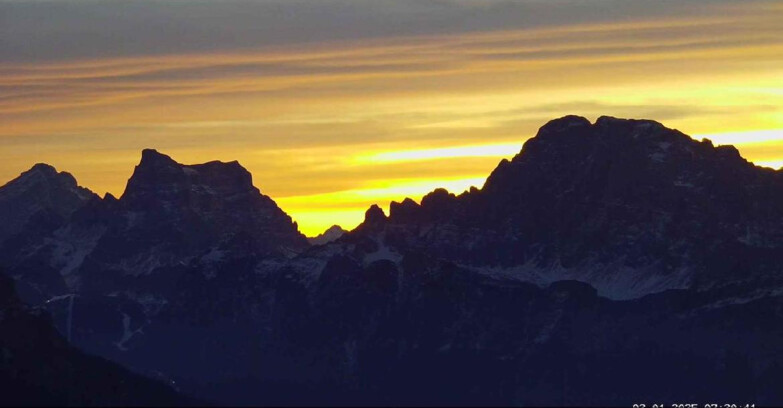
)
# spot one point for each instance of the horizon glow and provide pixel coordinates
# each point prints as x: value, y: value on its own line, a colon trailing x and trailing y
x: 339, y: 104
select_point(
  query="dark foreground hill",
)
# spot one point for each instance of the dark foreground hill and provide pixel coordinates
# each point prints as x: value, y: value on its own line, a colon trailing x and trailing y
x: 608, y: 263
x: 39, y: 367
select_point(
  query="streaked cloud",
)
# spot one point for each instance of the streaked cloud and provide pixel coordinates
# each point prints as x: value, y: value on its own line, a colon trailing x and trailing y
x: 336, y: 104
x: 38, y: 30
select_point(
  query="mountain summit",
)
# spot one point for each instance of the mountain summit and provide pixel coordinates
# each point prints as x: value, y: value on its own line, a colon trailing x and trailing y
x: 630, y: 206
x: 205, y: 203
x: 600, y: 248
x: 158, y: 177
x: 41, y: 194
x: 170, y: 214
x: 331, y: 234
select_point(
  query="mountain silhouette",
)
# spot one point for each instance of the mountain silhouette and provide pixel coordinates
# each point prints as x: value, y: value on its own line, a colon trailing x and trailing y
x: 628, y: 206
x: 40, y: 195
x: 169, y: 215
x: 331, y: 234
x: 207, y: 202
x: 607, y: 263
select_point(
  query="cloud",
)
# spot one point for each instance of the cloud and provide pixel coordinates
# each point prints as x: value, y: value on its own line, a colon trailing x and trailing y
x: 40, y: 30
x: 297, y: 89
x: 398, y: 63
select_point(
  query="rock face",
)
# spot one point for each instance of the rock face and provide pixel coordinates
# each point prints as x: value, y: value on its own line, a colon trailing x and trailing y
x: 33, y: 206
x: 607, y: 263
x: 601, y: 249
x: 173, y: 215
x: 38, y: 367
x: 198, y: 205
x: 163, y: 272
x: 39, y: 198
x: 170, y: 215
x: 629, y: 206
x: 417, y: 330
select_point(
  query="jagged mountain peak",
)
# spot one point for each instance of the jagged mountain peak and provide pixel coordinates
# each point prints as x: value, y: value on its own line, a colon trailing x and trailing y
x: 41, y: 194
x: 607, y: 131
x: 573, y: 148
x: 331, y: 234
x: 580, y: 195
x: 374, y: 217
x: 43, y: 168
x: 171, y: 215
x: 42, y: 173
x: 573, y: 127
x: 154, y: 157
x: 437, y: 197
x: 203, y: 206
x: 189, y: 276
x: 403, y: 210
x: 606, y: 120
x: 568, y: 122
x: 151, y: 158
x: 159, y: 177
x: 333, y: 229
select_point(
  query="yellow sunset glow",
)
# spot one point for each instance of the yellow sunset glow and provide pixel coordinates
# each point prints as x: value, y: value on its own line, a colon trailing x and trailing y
x: 742, y: 138
x: 489, y: 150
x: 329, y: 127
x: 347, y: 208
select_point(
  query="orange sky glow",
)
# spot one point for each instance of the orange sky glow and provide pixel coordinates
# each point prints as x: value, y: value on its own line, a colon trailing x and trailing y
x: 328, y: 128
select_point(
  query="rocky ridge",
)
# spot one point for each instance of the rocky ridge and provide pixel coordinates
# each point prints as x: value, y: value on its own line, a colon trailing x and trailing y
x: 600, y: 248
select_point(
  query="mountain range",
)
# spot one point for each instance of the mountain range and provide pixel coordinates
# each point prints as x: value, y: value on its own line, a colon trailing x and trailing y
x: 607, y: 263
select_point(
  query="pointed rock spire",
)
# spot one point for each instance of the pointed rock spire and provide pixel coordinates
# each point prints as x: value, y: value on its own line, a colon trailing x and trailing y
x: 374, y: 216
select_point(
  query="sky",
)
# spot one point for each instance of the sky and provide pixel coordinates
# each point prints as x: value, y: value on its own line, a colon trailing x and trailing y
x: 335, y: 105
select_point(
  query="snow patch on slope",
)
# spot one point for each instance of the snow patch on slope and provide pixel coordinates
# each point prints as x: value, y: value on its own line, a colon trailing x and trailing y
x: 613, y: 281
x: 127, y: 333
x: 384, y: 252
x: 69, y: 249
